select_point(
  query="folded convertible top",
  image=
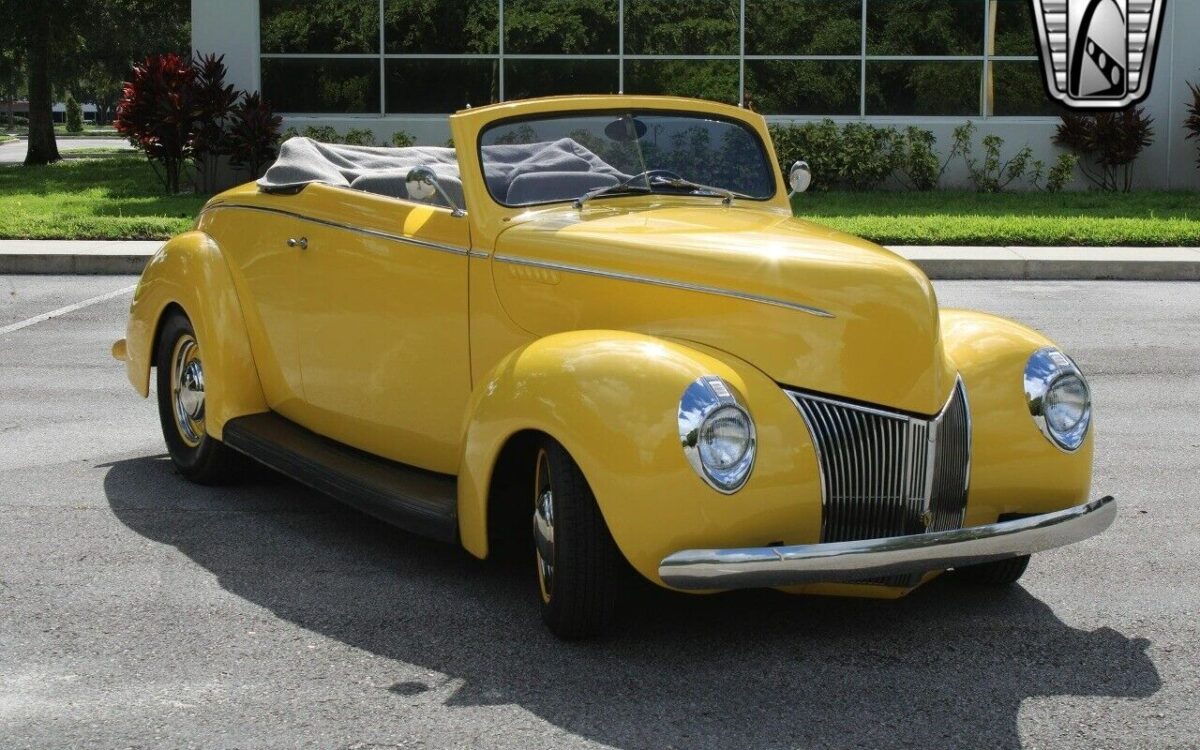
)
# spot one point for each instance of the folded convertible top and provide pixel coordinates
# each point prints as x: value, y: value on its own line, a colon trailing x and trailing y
x: 383, y: 170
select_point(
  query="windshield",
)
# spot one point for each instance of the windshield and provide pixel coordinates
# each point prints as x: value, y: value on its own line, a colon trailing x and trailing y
x: 568, y: 157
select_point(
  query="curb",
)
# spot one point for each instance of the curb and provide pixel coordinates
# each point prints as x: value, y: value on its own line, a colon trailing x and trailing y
x: 68, y: 258
x: 1056, y: 263
x: 55, y: 257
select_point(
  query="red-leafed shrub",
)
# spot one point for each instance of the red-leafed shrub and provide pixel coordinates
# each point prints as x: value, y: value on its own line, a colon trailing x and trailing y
x: 1192, y: 123
x: 214, y: 102
x: 158, y: 113
x: 180, y: 112
x: 1107, y: 143
x: 253, y: 134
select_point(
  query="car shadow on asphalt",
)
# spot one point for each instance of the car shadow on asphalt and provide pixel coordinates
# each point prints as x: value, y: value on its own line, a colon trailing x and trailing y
x: 947, y: 666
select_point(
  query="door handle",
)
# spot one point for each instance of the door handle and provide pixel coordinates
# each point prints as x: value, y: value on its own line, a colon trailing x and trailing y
x: 301, y: 243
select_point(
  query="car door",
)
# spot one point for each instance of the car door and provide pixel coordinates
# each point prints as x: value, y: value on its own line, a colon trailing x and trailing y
x: 382, y: 324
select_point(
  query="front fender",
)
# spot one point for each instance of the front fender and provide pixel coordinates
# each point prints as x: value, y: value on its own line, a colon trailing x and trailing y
x: 1014, y: 468
x: 190, y: 272
x: 611, y: 399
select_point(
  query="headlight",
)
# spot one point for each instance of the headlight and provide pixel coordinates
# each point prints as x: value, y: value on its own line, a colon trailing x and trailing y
x: 717, y: 434
x: 1058, y: 398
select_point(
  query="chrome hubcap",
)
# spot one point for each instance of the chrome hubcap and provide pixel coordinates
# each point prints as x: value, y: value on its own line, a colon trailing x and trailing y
x: 187, y: 390
x: 543, y: 526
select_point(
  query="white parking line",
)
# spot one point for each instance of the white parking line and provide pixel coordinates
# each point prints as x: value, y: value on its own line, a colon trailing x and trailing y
x: 64, y: 310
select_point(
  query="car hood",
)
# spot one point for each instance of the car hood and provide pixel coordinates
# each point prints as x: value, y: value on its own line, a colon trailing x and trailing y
x: 811, y: 307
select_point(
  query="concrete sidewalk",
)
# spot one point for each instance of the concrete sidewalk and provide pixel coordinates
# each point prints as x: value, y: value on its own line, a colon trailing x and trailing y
x: 1030, y: 263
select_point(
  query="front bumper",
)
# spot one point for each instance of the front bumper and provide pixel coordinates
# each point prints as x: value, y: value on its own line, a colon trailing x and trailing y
x: 762, y: 567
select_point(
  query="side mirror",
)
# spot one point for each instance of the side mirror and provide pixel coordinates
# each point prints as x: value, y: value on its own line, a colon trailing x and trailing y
x: 422, y: 184
x: 799, y: 177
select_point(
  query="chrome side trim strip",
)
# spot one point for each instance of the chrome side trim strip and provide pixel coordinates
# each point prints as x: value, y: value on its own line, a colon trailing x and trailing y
x: 758, y: 567
x: 671, y: 284
x: 454, y: 249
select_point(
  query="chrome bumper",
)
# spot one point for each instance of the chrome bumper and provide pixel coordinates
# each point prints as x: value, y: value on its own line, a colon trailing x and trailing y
x: 760, y: 567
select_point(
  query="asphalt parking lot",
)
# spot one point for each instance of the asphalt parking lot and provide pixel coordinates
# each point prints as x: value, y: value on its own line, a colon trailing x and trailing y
x: 137, y: 610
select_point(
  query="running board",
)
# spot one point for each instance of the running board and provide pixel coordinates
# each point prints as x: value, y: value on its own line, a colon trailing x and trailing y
x: 423, y: 502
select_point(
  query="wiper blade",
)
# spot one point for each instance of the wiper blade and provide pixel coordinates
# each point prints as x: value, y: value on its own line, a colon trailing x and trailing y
x: 618, y: 189
x: 679, y: 183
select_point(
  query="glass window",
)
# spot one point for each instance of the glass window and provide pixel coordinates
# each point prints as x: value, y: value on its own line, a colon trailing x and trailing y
x: 317, y: 26
x: 925, y: 27
x: 527, y: 78
x: 1018, y: 89
x: 716, y: 80
x: 440, y: 86
x: 1012, y: 28
x: 321, y: 85
x: 682, y: 27
x: 576, y: 27
x: 441, y: 26
x: 924, y: 88
x: 803, y: 27
x: 803, y: 87
x: 690, y: 155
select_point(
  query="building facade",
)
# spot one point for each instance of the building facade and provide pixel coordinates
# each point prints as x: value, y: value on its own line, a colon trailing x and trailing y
x: 391, y: 65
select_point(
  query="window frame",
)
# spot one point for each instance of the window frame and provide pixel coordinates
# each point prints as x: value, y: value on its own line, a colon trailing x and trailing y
x: 563, y: 114
x: 984, y: 59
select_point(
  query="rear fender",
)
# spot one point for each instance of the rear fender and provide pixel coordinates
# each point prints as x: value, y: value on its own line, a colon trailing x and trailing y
x: 189, y: 272
x: 612, y: 399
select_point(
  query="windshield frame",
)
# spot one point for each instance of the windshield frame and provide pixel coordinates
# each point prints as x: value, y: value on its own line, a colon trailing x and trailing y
x: 627, y: 110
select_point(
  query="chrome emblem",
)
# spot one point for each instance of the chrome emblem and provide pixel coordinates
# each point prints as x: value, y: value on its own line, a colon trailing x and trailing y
x: 1098, y: 54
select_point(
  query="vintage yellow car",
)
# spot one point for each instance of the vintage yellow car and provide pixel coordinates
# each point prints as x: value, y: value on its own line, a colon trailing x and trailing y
x: 593, y: 333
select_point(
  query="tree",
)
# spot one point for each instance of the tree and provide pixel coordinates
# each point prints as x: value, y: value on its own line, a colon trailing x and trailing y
x: 50, y: 30
x: 63, y: 38
x: 74, y: 115
x: 12, y: 70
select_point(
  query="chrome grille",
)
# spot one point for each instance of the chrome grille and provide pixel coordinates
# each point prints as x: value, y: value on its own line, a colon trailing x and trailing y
x: 884, y: 473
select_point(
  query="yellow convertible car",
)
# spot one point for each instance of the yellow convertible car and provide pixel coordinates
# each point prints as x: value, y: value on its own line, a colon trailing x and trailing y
x: 593, y: 333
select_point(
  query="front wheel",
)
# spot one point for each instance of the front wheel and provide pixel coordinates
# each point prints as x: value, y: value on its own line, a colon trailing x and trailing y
x: 181, y: 407
x: 999, y: 573
x: 578, y: 562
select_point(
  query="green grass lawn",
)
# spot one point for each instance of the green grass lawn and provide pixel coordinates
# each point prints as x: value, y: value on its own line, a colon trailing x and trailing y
x: 950, y: 217
x: 119, y: 197
x: 113, y: 198
x: 92, y: 153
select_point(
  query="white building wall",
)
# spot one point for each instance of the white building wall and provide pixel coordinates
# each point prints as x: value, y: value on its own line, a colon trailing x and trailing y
x: 231, y: 27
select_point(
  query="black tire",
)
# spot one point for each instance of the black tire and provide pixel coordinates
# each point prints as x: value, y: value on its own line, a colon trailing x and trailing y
x: 999, y: 573
x: 580, y: 597
x: 197, y: 456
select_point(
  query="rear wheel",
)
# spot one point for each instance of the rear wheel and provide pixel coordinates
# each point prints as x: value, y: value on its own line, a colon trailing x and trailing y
x: 181, y: 407
x: 999, y: 573
x: 578, y: 562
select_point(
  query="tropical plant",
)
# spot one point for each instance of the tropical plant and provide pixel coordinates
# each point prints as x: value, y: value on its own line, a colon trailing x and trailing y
x: 74, y: 115
x: 917, y: 162
x: 359, y: 137
x: 253, y: 136
x: 403, y: 139
x: 992, y: 173
x: 1192, y: 123
x: 1108, y: 144
x: 214, y: 100
x: 157, y: 112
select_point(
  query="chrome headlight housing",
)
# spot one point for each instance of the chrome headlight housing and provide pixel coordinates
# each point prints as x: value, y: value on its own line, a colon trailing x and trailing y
x: 1058, y: 397
x: 717, y: 434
